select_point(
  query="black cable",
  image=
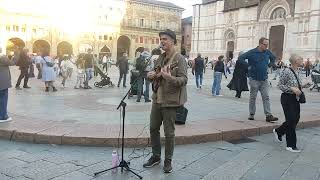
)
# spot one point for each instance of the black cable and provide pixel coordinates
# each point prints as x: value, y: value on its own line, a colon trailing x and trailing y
x: 145, y: 151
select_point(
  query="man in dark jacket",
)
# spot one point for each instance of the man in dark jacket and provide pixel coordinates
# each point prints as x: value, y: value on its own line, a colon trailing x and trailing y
x: 88, y: 65
x: 123, y: 65
x: 5, y: 84
x: 198, y: 69
x: 24, y: 62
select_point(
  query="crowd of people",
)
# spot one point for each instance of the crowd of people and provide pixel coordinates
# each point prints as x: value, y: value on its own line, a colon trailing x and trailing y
x: 166, y: 71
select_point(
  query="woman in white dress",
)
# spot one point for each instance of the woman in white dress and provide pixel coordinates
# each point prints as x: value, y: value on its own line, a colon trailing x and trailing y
x: 48, y: 73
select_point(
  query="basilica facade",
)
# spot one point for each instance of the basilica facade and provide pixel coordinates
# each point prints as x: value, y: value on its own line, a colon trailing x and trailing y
x: 226, y: 27
x: 106, y: 26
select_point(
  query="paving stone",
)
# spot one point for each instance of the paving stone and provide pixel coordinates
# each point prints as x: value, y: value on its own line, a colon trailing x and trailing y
x: 52, y: 171
x: 29, y: 168
x: 301, y: 171
x: 4, y: 177
x: 11, y: 153
x: 73, y: 175
x: 237, y: 167
x: 10, y: 163
x: 271, y: 167
x: 210, y: 162
x: 35, y: 156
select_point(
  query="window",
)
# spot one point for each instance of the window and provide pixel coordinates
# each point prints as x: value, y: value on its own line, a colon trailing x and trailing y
x: 34, y: 30
x: 157, y: 24
x: 8, y: 28
x: 100, y: 37
x: 141, y: 40
x: 182, y: 41
x: 106, y: 16
x: 306, y: 26
x: 105, y: 37
x: 15, y: 28
x: 137, y: 40
x: 141, y: 23
x: 157, y: 41
x: 110, y: 38
x: 23, y: 29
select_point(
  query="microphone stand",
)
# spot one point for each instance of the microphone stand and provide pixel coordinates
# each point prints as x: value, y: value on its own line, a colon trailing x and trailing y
x: 123, y: 163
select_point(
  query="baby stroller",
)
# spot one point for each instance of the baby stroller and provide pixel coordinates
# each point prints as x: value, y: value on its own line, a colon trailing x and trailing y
x: 315, y: 76
x: 134, y: 83
x: 105, y: 80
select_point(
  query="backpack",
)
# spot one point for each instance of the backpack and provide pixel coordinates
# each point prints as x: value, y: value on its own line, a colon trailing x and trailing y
x: 140, y: 64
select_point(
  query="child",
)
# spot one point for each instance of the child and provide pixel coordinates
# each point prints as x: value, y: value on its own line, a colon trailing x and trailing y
x: 66, y: 69
x: 80, y: 75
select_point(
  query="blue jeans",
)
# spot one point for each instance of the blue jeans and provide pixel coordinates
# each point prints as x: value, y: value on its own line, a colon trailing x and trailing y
x: 89, y: 75
x: 216, y: 86
x: 3, y: 104
x: 199, y: 77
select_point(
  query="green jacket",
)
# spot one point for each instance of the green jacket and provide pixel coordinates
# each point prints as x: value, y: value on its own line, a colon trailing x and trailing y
x: 173, y: 92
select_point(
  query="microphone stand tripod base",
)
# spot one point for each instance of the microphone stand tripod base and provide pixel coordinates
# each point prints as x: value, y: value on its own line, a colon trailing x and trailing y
x: 123, y: 163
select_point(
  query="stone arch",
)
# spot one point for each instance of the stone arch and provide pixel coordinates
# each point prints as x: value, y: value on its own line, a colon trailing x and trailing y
x: 39, y: 44
x: 230, y: 38
x: 14, y: 43
x: 64, y: 47
x: 272, y: 5
x: 278, y: 13
x: 105, y: 50
x: 123, y: 45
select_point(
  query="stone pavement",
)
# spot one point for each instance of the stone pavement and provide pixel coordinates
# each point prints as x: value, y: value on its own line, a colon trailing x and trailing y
x: 89, y: 117
x: 257, y: 158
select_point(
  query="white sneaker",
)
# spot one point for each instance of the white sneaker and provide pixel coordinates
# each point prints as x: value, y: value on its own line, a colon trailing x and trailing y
x: 6, y: 120
x: 279, y: 139
x: 294, y: 150
x: 220, y: 95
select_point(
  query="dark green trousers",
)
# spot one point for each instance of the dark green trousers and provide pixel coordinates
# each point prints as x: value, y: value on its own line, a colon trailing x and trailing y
x: 167, y: 116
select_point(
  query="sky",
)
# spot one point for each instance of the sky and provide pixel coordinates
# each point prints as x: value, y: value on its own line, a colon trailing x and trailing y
x: 186, y: 4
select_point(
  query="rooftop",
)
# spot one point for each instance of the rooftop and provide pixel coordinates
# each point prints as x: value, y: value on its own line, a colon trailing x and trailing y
x: 187, y: 20
x: 161, y: 3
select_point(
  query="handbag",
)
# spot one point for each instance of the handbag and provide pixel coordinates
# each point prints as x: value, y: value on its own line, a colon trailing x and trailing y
x: 48, y: 63
x: 302, y: 97
x: 181, y: 115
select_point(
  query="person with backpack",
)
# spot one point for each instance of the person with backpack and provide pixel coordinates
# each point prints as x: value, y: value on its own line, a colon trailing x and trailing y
x: 123, y: 64
x: 198, y: 69
x: 144, y: 65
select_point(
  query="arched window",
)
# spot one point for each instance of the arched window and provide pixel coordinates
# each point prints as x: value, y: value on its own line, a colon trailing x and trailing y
x: 278, y: 13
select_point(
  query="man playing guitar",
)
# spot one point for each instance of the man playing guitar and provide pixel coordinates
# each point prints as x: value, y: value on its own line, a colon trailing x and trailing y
x: 170, y: 92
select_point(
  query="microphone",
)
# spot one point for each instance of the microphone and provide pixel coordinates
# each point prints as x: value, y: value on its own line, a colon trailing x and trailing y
x: 160, y: 46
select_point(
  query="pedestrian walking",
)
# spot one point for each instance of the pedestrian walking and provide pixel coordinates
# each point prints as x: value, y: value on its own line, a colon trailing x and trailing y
x: 290, y: 84
x: 217, y: 76
x: 48, y: 73
x: 239, y: 78
x: 198, y: 69
x: 24, y: 64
